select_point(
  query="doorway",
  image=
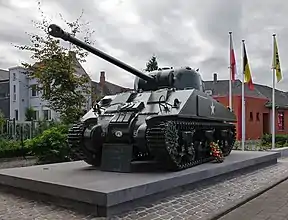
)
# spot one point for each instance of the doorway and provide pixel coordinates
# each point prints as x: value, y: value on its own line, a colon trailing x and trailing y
x: 266, y: 127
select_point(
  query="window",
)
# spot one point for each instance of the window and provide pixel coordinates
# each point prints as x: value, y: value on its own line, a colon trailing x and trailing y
x: 47, y: 114
x: 251, y: 116
x: 34, y: 91
x: 281, y: 121
x: 35, y: 115
x: 14, y: 92
x: 258, y: 116
x: 16, y: 115
x: 14, y: 76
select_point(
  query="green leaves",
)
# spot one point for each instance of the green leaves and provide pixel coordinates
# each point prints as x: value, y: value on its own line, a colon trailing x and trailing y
x: 152, y: 64
x: 2, y: 120
x: 55, y: 67
x: 12, y: 148
x: 51, y: 146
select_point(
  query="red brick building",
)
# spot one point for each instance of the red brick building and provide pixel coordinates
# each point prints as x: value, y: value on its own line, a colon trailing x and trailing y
x: 104, y: 87
x: 258, y: 107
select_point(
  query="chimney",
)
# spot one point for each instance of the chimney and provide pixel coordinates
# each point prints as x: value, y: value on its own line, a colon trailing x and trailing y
x: 102, y: 82
x: 215, y: 77
x: 102, y: 78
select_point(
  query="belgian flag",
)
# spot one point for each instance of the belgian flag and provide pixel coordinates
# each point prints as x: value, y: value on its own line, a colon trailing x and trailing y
x: 246, y: 70
x: 276, y: 60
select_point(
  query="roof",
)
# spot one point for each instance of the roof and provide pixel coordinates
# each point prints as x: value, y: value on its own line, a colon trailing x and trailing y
x: 109, y: 88
x: 281, y: 97
x: 4, y: 75
x: 79, y: 70
x: 221, y: 88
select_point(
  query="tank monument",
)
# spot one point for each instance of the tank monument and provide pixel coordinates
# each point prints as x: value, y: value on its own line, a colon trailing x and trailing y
x: 166, y: 122
x: 167, y: 118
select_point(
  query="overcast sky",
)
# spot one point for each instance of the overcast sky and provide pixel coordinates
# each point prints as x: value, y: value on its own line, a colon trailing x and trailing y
x: 180, y: 33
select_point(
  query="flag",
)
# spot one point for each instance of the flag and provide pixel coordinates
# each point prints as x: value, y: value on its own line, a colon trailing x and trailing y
x: 246, y: 70
x: 276, y: 61
x: 232, y: 59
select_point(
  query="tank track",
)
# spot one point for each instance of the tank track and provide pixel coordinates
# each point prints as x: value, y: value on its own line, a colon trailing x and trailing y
x: 164, y: 142
x: 75, y: 142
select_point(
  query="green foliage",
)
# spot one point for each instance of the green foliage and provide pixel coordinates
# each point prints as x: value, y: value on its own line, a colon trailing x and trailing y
x: 152, y: 64
x: 54, y: 67
x: 2, y: 121
x: 263, y: 144
x: 29, y: 113
x: 281, y: 140
x: 51, y: 146
x: 29, y: 129
x: 250, y: 145
x: 12, y: 148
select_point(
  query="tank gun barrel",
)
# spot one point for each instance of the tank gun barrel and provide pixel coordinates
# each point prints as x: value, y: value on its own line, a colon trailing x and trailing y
x: 57, y: 32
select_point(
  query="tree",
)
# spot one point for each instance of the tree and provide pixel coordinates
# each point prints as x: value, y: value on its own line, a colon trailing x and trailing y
x: 54, y: 68
x: 152, y: 64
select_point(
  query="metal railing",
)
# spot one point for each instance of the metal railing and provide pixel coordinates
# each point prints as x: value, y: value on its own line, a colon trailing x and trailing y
x: 17, y: 130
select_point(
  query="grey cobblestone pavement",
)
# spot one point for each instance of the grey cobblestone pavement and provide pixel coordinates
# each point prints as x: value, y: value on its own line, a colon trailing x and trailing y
x: 194, y: 204
x: 272, y: 205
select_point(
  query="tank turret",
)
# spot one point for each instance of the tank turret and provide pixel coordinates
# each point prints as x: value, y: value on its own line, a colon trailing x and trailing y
x: 181, y: 78
x: 168, y: 119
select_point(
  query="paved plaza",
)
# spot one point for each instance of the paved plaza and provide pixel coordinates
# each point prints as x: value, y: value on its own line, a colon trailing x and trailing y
x: 272, y: 205
x: 193, y: 204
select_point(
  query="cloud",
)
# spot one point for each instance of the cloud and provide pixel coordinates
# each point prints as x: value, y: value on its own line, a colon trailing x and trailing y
x: 179, y: 33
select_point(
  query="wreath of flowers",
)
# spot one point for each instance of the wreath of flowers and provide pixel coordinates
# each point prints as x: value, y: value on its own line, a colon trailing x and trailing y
x: 216, y: 152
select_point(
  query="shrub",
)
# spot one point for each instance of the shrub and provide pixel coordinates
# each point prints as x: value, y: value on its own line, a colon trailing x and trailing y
x: 51, y: 146
x: 12, y: 148
x: 281, y: 140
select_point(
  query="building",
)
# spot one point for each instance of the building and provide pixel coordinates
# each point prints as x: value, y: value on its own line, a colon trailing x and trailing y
x: 258, y: 103
x: 24, y: 95
x: 104, y: 87
x: 4, y: 93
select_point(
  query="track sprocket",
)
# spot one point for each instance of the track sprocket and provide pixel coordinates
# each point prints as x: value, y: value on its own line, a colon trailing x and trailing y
x: 76, y: 143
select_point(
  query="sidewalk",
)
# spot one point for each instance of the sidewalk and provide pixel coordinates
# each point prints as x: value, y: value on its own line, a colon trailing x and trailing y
x: 272, y: 205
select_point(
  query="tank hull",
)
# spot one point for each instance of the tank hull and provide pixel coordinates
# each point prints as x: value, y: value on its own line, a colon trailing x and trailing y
x: 171, y: 127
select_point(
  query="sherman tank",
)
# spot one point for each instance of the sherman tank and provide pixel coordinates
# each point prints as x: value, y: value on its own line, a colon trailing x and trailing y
x: 167, y: 119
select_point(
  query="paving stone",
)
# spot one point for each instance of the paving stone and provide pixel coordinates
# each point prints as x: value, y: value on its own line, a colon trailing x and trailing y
x: 270, y: 205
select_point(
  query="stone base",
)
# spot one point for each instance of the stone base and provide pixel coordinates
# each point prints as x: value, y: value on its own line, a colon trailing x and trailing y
x: 78, y: 185
x: 283, y: 151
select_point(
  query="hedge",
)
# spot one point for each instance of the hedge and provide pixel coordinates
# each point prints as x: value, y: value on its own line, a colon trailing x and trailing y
x: 51, y: 146
x: 13, y: 148
x: 48, y: 147
x: 281, y: 140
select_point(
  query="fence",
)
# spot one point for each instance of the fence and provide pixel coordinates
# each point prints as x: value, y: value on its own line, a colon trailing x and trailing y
x: 16, y: 130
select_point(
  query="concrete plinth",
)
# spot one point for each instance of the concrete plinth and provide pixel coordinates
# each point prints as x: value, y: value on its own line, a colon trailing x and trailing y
x: 108, y: 193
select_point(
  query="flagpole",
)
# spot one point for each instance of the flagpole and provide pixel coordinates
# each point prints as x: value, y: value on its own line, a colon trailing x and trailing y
x: 230, y: 73
x: 273, y: 97
x: 243, y: 102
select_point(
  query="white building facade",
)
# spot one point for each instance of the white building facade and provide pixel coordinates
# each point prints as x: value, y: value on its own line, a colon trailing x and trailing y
x: 24, y: 95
